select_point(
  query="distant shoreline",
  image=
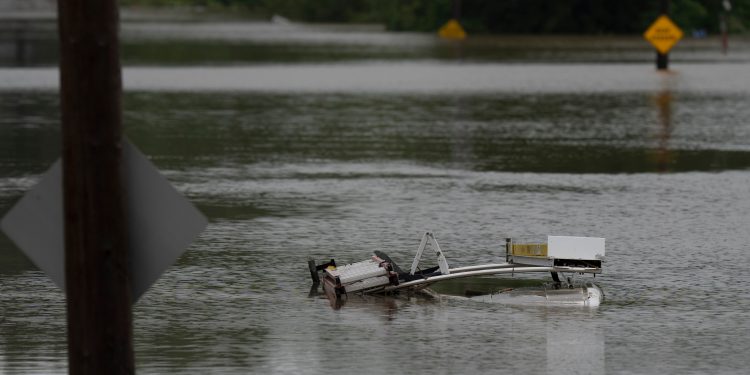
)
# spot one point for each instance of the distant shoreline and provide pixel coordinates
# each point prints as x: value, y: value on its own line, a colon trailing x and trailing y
x: 212, y: 14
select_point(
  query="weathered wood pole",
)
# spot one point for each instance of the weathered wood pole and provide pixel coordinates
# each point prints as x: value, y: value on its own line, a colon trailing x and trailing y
x: 662, y: 59
x: 96, y: 262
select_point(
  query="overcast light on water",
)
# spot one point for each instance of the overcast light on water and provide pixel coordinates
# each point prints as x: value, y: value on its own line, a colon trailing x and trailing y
x: 293, y: 152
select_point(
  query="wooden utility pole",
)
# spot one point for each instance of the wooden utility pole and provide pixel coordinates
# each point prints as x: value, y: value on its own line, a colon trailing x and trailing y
x: 662, y: 59
x: 96, y: 261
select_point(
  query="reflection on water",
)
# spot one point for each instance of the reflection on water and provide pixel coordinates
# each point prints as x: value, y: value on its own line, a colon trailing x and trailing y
x: 583, y: 133
x: 385, y: 306
x: 663, y: 101
x: 663, y: 154
x: 565, y: 339
x: 575, y: 346
x: 512, y: 132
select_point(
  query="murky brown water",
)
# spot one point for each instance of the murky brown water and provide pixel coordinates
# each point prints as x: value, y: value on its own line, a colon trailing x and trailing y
x: 338, y: 160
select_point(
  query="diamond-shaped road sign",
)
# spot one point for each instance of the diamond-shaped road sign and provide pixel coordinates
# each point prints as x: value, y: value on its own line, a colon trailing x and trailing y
x: 452, y: 30
x: 663, y: 34
x: 161, y: 222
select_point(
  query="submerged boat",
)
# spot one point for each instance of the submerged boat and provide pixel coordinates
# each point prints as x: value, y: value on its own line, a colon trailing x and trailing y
x: 562, y: 256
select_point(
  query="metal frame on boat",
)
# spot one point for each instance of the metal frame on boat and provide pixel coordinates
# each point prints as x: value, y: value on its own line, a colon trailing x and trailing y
x: 560, y: 255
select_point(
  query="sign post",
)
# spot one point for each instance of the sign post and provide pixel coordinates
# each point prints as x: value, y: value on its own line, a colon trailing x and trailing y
x: 96, y: 261
x: 103, y: 223
x: 663, y: 34
x: 452, y: 29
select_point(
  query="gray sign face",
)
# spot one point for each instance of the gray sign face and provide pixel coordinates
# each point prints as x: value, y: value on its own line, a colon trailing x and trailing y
x: 161, y: 222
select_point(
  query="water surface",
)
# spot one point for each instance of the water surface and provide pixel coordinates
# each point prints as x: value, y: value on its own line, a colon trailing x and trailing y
x: 659, y: 165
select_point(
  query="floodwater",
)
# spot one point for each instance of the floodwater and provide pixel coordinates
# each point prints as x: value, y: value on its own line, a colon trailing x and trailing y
x: 360, y: 141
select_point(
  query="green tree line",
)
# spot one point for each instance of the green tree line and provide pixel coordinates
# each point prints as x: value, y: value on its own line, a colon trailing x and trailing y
x: 491, y: 16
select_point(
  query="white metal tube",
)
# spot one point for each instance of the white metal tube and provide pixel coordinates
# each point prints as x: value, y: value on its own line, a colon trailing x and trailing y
x: 481, y: 267
x: 493, y: 271
x: 418, y: 256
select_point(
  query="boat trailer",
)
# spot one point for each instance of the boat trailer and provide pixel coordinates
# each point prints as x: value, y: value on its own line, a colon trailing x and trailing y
x: 381, y: 275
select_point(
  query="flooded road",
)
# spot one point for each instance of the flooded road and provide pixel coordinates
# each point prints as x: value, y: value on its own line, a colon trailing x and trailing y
x: 307, y: 159
x: 426, y: 78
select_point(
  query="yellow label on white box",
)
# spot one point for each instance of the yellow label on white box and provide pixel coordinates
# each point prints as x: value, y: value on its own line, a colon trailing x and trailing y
x: 530, y: 250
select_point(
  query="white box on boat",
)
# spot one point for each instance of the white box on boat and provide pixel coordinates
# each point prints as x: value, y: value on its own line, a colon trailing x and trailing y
x: 568, y: 247
x: 560, y: 251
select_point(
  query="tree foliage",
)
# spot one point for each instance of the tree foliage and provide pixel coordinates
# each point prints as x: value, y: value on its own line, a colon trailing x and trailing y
x: 492, y: 16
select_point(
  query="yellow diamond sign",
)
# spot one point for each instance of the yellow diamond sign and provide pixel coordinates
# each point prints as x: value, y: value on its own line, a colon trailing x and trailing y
x: 663, y: 34
x: 452, y: 30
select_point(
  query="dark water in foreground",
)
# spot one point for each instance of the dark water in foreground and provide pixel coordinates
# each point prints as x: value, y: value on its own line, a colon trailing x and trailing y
x: 662, y: 170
